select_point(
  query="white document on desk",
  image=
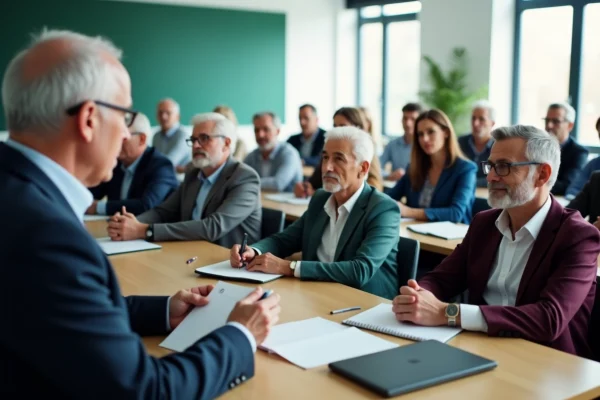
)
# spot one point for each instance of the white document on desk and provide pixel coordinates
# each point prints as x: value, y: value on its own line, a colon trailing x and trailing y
x: 289, y: 198
x: 444, y: 230
x: 314, y: 342
x: 203, y: 320
x: 224, y: 269
x: 88, y: 218
x: 111, y: 247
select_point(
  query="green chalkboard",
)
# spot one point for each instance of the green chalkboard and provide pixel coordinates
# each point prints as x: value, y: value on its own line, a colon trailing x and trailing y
x: 199, y: 56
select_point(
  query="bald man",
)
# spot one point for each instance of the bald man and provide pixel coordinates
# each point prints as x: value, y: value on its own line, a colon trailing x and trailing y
x: 142, y: 179
x: 67, y: 331
x: 170, y: 139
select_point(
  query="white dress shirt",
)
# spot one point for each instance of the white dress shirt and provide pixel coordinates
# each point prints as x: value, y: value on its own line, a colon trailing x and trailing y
x: 333, y: 231
x: 509, y: 264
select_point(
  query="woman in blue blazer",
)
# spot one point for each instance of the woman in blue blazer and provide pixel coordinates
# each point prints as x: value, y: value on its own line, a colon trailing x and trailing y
x: 440, y: 182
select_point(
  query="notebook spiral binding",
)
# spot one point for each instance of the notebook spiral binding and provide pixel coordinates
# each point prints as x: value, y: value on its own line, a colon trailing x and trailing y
x: 387, y: 331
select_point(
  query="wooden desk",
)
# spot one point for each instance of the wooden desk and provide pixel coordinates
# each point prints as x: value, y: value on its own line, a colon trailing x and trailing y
x: 525, y: 370
x: 292, y: 212
x: 307, y: 171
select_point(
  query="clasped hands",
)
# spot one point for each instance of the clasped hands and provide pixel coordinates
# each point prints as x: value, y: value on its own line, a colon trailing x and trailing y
x: 419, y: 306
x: 125, y: 226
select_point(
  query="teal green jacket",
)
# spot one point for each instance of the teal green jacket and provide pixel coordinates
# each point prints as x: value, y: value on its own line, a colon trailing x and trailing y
x: 365, y: 257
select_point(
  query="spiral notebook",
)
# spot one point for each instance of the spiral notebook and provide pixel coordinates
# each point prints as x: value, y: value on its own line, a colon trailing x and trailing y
x: 381, y: 319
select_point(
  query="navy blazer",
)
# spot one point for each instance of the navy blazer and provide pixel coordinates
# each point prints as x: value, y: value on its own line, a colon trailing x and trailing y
x: 67, y: 331
x: 317, y: 147
x: 154, y: 179
x: 453, y: 195
x: 573, y: 157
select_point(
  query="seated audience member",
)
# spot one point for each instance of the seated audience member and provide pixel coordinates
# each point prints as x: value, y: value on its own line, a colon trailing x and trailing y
x: 345, y: 116
x: 170, y: 139
x: 68, y: 333
x: 309, y: 142
x: 349, y: 234
x: 240, y: 147
x: 587, y: 201
x: 142, y: 179
x: 218, y: 201
x: 593, y: 165
x: 397, y: 151
x: 439, y: 184
x: 476, y: 145
x: 560, y: 120
x: 277, y: 163
x: 368, y: 118
x: 529, y: 265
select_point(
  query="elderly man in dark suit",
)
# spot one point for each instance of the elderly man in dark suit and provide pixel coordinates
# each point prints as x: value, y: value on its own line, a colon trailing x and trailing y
x: 142, y: 179
x: 67, y: 331
x: 529, y: 264
x: 311, y: 140
x: 218, y: 201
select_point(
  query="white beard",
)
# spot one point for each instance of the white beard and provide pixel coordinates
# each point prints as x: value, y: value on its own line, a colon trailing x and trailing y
x: 332, y: 187
x: 523, y: 193
x: 202, y: 162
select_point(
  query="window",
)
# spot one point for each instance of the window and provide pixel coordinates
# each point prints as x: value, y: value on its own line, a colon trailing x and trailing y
x: 557, y: 58
x: 389, y: 57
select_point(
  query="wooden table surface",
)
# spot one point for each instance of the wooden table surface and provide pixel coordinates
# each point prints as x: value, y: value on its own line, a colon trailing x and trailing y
x: 525, y: 370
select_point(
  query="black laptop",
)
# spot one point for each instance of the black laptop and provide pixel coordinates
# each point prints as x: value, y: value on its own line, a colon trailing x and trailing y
x: 411, y: 367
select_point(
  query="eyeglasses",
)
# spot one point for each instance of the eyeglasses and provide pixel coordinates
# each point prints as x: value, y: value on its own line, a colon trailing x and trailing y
x: 203, y: 139
x: 554, y: 121
x: 503, y: 168
x: 128, y: 114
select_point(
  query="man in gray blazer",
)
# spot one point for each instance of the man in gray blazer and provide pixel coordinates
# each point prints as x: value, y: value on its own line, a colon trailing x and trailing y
x: 218, y: 201
x: 170, y: 139
x: 278, y: 164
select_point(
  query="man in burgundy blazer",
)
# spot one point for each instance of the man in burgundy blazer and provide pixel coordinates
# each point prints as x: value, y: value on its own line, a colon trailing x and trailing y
x: 538, y: 283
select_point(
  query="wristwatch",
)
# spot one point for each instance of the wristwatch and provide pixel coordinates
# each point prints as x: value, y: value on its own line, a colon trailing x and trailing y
x: 150, y: 233
x: 293, y: 265
x: 452, y: 311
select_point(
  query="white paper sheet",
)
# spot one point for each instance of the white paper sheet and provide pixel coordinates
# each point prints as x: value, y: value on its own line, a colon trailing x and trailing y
x: 223, y: 269
x: 87, y: 218
x: 444, y: 230
x: 111, y: 247
x: 203, y: 320
x: 289, y: 198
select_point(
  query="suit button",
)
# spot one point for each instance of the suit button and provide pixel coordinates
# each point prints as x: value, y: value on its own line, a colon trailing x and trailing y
x: 243, y: 378
x: 231, y: 385
x: 237, y: 381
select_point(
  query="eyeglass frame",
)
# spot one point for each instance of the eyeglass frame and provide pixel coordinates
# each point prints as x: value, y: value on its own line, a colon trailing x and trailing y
x: 492, y: 165
x: 191, y: 140
x: 555, y: 121
x: 71, y: 111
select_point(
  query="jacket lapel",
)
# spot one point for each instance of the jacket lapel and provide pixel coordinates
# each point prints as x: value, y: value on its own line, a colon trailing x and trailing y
x: 356, y: 215
x: 315, y: 234
x: 482, y: 264
x: 442, y: 181
x: 220, y: 183
x: 190, y: 194
x: 541, y: 245
x: 138, y: 175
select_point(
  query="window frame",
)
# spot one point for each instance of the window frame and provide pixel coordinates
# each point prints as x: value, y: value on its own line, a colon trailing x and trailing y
x: 385, y: 20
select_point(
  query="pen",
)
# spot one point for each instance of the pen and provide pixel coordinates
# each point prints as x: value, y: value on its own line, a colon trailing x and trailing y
x: 344, y: 310
x: 265, y: 295
x: 191, y: 260
x: 243, y: 248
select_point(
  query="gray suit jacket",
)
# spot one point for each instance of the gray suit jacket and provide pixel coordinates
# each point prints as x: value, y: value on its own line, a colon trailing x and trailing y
x: 587, y: 201
x: 174, y: 147
x: 231, y: 209
x: 286, y: 168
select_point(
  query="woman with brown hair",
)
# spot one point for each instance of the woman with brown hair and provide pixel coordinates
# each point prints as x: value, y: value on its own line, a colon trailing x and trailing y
x: 440, y: 182
x: 240, y: 147
x: 345, y: 116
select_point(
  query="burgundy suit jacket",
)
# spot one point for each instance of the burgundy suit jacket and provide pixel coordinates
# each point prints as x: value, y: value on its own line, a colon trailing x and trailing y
x: 556, y: 292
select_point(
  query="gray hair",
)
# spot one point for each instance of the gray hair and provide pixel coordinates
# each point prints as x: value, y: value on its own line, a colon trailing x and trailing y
x: 362, y: 143
x: 223, y: 126
x: 176, y: 104
x: 541, y: 146
x: 274, y: 117
x: 141, y: 124
x: 570, y: 113
x: 84, y: 74
x: 485, y: 105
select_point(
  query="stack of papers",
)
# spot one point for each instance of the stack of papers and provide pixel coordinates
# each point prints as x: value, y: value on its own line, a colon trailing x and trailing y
x: 88, y: 218
x: 111, y: 247
x: 444, y: 230
x: 225, y: 270
x: 289, y: 198
x: 314, y: 342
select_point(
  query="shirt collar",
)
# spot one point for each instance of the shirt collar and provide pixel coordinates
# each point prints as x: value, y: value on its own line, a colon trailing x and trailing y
x: 171, y: 132
x: 76, y: 194
x: 565, y: 142
x: 273, y: 153
x: 329, y: 206
x: 533, y: 226
x: 488, y: 144
x: 131, y: 169
x: 215, y: 175
x: 311, y: 139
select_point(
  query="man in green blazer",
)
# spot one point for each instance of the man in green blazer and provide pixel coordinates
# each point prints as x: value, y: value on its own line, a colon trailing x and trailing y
x: 349, y: 234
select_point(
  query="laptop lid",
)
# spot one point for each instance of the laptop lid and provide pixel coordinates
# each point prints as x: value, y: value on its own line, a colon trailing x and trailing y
x: 411, y: 367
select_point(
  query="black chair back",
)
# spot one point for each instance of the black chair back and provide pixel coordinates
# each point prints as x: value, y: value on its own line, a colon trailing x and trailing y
x: 407, y: 259
x: 272, y: 222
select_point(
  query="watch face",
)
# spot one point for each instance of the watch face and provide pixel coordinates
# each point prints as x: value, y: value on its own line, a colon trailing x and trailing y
x: 149, y: 233
x: 452, y: 310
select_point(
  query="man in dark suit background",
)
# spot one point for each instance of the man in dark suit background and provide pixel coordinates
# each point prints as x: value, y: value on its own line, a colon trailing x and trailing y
x: 142, y: 179
x: 587, y: 201
x: 529, y: 264
x: 66, y: 331
x: 560, y: 120
x: 310, y: 141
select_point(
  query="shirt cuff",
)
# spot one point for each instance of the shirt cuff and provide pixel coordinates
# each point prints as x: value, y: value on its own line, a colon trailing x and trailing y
x: 168, y: 306
x: 569, y: 196
x: 258, y: 252
x: 246, y: 332
x: 297, y: 270
x: 101, y: 208
x: 471, y: 318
